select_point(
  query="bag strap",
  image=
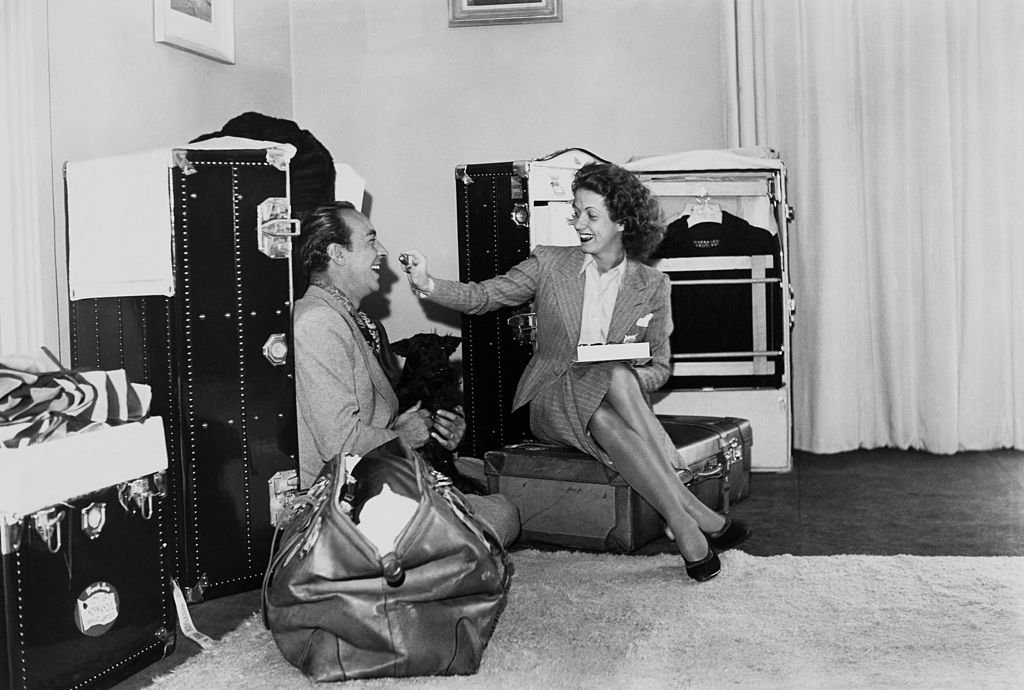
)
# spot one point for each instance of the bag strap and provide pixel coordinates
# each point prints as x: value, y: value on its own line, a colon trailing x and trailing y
x: 272, y: 564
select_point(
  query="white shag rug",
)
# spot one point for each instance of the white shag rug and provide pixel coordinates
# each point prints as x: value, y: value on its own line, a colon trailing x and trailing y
x: 577, y: 620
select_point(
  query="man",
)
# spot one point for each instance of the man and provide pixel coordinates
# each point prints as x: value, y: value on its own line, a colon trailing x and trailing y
x: 345, y: 397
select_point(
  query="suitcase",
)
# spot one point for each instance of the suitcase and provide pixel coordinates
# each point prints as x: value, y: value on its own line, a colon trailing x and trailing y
x: 216, y: 354
x: 567, y: 498
x: 504, y: 210
x: 86, y: 591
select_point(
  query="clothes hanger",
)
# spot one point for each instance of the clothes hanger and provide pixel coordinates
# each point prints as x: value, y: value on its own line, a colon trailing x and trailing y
x: 703, y: 211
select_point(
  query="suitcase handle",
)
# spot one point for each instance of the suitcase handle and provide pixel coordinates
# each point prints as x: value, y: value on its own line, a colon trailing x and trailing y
x: 559, y: 152
x: 688, y: 476
x: 732, y: 453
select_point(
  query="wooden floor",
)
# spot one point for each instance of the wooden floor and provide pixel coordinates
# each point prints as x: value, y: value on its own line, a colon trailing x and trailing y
x: 887, y: 502
x: 881, y: 502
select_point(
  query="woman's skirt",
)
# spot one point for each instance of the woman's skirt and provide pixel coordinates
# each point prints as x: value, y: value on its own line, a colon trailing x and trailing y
x: 561, y: 412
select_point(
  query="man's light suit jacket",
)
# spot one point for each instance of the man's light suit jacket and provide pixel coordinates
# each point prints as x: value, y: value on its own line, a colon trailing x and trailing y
x: 343, y: 397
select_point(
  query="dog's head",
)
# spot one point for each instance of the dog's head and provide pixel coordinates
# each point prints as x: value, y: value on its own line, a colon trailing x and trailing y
x: 425, y: 352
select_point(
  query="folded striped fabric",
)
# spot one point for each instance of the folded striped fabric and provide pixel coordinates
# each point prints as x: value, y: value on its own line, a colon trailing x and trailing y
x: 41, y: 400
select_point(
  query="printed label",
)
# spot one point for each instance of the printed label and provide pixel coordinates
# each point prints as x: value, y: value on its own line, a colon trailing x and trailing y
x: 97, y: 609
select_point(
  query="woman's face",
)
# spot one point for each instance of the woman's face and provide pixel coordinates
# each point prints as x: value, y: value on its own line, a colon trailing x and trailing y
x: 598, y: 233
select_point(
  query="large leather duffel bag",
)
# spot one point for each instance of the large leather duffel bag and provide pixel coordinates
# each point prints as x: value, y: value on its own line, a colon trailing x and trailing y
x: 339, y: 609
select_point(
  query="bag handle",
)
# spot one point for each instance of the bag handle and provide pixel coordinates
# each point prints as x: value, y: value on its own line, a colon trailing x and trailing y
x: 268, y: 577
x: 317, y: 502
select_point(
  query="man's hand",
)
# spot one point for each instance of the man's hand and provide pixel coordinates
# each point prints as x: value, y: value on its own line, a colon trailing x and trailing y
x: 449, y: 427
x: 413, y: 426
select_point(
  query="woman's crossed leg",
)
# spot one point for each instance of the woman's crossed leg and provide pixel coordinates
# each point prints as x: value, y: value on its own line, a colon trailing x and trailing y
x: 626, y: 427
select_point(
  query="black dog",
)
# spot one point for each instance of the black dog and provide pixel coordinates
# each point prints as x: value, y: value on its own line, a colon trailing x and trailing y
x: 430, y: 378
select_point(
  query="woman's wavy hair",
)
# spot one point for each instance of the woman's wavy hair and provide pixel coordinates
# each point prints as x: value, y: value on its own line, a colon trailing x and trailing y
x: 322, y: 226
x: 629, y: 202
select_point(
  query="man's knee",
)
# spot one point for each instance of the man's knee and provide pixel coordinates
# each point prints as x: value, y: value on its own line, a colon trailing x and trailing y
x: 498, y: 513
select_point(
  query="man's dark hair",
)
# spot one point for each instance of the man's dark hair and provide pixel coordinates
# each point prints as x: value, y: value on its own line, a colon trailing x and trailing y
x: 322, y: 226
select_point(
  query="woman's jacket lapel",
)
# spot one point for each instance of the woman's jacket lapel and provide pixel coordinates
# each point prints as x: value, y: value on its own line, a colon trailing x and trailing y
x: 634, y: 292
x: 569, y: 282
x: 631, y: 303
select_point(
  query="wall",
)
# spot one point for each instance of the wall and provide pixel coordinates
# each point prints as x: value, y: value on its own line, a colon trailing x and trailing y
x: 390, y: 89
x: 114, y: 90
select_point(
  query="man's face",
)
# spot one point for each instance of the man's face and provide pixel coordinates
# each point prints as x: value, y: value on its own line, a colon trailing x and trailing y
x: 362, y: 262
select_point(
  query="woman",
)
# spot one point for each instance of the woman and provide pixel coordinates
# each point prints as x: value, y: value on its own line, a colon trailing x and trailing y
x: 600, y: 292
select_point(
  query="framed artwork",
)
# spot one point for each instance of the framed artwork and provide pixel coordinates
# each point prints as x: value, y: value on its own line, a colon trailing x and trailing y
x: 204, y: 27
x: 482, y: 12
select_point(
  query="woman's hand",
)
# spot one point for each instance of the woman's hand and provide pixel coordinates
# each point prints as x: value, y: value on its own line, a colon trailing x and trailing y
x: 415, y: 266
x: 413, y: 426
x: 449, y: 427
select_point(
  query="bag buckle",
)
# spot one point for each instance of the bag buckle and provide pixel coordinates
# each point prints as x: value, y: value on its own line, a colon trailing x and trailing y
x: 441, y: 480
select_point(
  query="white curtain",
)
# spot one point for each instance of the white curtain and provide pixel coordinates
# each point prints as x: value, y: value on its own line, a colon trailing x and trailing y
x: 23, y: 284
x: 902, y: 126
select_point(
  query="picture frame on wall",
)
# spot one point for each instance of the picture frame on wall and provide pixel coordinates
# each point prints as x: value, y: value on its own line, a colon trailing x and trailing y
x: 485, y: 12
x: 203, y: 27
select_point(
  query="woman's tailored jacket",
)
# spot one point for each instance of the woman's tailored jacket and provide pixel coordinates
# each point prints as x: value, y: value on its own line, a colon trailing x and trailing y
x: 553, y: 277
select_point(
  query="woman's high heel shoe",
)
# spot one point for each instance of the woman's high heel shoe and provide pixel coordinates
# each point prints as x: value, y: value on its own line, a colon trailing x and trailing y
x: 733, y: 533
x: 706, y: 568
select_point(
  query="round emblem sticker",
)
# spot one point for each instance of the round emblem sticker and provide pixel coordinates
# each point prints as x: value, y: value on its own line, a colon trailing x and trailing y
x: 97, y: 609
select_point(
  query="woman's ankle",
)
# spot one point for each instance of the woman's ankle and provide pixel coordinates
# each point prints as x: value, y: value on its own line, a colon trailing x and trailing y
x: 715, y: 528
x: 693, y: 547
